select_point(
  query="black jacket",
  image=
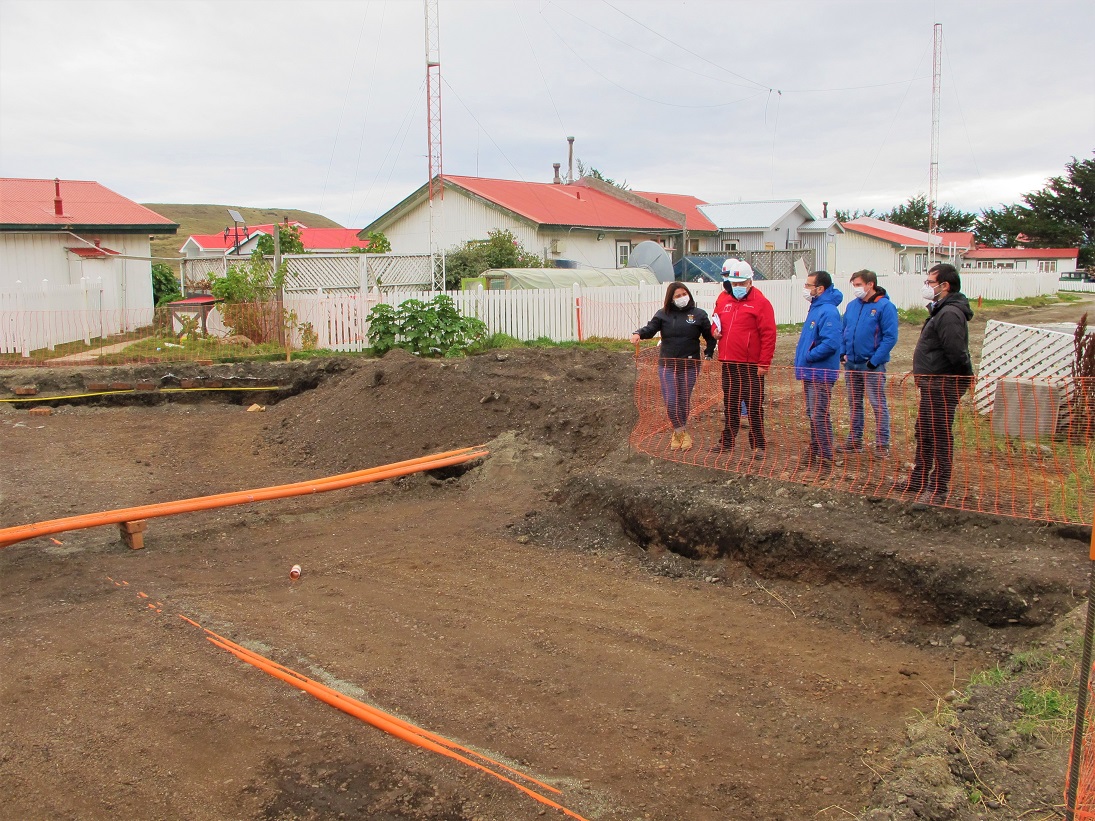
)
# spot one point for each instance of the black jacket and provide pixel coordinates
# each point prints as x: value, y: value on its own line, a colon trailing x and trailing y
x: 681, y: 331
x: 944, y: 344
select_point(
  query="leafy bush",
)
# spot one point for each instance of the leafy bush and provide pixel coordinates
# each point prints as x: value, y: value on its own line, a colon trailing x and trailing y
x: 165, y: 285
x: 500, y: 250
x: 433, y: 328
x: 248, y: 291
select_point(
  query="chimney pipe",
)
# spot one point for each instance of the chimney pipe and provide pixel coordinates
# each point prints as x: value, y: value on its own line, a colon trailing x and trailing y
x: 825, y: 210
x: 558, y: 180
x: 570, y: 160
x: 58, y: 207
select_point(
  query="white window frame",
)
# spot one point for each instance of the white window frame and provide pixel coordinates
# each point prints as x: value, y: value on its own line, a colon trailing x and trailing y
x: 1047, y: 266
x: 624, y: 246
x: 730, y: 245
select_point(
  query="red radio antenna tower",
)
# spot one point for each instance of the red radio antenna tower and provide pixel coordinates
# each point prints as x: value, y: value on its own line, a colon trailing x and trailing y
x: 433, y: 116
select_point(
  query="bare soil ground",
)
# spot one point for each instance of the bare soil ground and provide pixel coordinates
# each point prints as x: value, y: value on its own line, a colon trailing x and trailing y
x: 657, y: 641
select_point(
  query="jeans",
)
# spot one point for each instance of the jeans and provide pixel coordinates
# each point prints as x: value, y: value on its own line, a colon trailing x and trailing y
x: 860, y: 380
x: 678, y: 378
x: 818, y: 395
x: 742, y: 385
x: 934, y: 458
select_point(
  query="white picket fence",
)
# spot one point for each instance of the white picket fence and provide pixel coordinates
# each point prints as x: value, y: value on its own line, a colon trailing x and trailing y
x: 1077, y: 285
x: 43, y: 315
x: 31, y: 319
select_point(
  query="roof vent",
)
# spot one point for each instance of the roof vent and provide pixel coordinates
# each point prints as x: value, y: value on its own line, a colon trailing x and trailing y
x: 58, y: 207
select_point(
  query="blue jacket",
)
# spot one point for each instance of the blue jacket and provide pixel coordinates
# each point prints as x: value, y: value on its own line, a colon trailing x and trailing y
x: 870, y: 330
x: 817, y: 357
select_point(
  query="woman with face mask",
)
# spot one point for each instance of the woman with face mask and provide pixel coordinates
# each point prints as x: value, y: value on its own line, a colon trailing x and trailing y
x: 681, y: 324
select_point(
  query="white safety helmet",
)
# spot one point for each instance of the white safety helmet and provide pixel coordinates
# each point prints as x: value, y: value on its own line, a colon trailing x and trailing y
x: 737, y: 269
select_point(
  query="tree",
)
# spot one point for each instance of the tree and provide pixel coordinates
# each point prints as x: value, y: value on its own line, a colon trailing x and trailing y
x: 913, y: 213
x: 378, y: 244
x: 165, y: 285
x: 583, y: 171
x: 500, y: 250
x: 1062, y: 214
x: 848, y: 216
x: 1000, y: 227
x: 291, y: 243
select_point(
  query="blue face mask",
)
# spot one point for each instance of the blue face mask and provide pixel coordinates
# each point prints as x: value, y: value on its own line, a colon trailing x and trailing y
x: 739, y: 291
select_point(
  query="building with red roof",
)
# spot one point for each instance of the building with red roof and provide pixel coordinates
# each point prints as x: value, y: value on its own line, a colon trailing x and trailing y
x: 241, y: 240
x: 77, y: 234
x: 588, y: 222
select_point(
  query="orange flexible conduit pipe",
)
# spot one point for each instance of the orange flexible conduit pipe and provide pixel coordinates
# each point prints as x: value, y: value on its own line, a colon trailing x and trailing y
x: 19, y: 533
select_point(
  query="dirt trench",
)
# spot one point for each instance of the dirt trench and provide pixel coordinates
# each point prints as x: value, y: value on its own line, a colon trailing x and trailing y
x: 661, y: 641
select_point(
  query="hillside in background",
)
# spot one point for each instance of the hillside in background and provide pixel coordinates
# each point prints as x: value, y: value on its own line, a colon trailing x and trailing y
x: 212, y: 219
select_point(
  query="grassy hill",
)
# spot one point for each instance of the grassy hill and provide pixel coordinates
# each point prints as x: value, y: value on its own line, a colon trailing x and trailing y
x: 212, y: 219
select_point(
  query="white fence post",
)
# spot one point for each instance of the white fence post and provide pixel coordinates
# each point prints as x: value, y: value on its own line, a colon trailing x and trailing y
x: 85, y: 318
x: 22, y: 320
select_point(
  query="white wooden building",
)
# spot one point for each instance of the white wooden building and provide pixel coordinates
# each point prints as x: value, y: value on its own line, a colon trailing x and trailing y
x: 586, y: 222
x: 58, y: 234
x: 886, y: 248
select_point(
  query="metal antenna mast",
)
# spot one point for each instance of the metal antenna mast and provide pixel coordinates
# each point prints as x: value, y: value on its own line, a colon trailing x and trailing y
x: 433, y: 117
x: 933, y: 175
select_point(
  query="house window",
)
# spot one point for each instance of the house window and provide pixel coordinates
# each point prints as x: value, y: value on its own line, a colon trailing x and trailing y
x: 693, y: 246
x: 1047, y: 266
x: 623, y: 251
x: 730, y: 245
x: 1009, y: 265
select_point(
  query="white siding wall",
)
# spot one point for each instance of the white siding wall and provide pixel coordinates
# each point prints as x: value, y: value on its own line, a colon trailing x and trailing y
x: 32, y: 257
x: 583, y: 247
x: 457, y: 220
x: 856, y: 252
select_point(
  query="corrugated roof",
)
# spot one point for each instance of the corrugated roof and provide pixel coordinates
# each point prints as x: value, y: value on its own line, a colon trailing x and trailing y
x: 757, y: 215
x: 959, y: 239
x: 29, y: 203
x: 314, y: 239
x: 551, y: 204
x: 894, y: 234
x: 821, y: 225
x: 686, y: 204
x: 1023, y: 253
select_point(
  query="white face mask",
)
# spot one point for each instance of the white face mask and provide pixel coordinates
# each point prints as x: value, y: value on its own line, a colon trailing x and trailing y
x: 928, y: 292
x: 859, y: 292
x: 807, y: 294
x: 681, y: 301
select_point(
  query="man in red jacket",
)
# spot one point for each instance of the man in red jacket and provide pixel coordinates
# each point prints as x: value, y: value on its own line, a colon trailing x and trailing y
x: 747, y: 343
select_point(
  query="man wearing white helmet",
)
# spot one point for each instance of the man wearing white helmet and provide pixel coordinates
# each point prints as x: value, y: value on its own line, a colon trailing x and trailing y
x: 747, y: 342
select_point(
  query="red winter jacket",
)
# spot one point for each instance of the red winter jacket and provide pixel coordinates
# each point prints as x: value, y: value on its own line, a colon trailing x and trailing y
x: 748, y: 328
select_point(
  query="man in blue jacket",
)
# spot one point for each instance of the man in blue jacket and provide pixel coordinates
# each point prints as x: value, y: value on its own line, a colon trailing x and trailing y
x: 817, y: 364
x: 870, y: 332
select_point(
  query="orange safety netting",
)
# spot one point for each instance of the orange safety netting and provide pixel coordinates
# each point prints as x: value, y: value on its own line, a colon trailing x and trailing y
x: 1084, y: 807
x: 1021, y: 447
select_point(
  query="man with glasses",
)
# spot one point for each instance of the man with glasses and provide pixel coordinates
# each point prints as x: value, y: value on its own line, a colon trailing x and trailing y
x: 942, y: 370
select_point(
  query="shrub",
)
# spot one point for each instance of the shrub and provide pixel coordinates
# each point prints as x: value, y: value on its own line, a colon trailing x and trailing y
x: 433, y: 328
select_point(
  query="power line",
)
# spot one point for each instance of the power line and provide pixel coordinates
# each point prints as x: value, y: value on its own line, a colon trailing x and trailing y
x: 536, y: 60
x: 643, y: 96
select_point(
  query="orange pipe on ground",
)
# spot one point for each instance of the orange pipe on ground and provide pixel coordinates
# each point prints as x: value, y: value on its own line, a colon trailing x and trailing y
x: 12, y: 535
x: 324, y: 694
x: 406, y: 725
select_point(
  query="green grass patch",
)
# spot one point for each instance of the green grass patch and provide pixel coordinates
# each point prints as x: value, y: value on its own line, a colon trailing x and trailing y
x: 912, y: 316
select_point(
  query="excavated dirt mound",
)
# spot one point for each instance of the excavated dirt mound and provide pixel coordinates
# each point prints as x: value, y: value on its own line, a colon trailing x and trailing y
x: 657, y: 641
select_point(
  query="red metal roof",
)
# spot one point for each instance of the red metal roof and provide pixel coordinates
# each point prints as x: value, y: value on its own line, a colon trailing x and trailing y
x: 89, y: 252
x: 551, y: 204
x: 84, y: 203
x: 889, y: 236
x: 314, y: 239
x: 685, y: 203
x: 1023, y: 253
x: 960, y: 239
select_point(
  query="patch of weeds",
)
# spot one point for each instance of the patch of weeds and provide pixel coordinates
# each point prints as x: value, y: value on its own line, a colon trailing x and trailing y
x: 1046, y: 710
x: 989, y: 678
x: 912, y: 316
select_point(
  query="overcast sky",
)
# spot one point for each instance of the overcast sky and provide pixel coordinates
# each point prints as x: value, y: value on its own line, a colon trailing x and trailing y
x: 321, y: 105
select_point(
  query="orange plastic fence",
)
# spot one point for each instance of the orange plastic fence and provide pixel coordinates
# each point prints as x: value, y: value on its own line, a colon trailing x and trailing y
x: 1084, y: 807
x: 1021, y: 447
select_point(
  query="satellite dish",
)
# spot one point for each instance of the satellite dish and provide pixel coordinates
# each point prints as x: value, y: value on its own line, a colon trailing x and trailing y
x: 652, y: 256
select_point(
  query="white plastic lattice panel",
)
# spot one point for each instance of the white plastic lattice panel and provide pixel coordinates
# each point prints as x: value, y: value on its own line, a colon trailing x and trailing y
x: 1019, y: 351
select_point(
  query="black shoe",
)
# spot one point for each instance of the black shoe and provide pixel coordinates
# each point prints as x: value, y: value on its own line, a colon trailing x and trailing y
x: 722, y: 447
x: 849, y: 448
x: 824, y: 466
x: 908, y: 489
x: 806, y: 460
